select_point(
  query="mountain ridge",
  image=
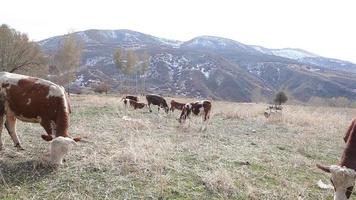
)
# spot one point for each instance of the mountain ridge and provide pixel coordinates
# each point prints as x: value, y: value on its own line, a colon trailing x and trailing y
x: 216, y: 67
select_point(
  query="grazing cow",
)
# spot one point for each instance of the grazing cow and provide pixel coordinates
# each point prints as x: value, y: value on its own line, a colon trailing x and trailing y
x: 343, y: 175
x: 176, y: 105
x: 35, y: 100
x: 197, y: 108
x: 271, y: 110
x: 157, y: 100
x: 134, y: 104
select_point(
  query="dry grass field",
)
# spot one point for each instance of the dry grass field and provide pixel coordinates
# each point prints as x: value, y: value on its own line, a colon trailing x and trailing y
x: 127, y: 154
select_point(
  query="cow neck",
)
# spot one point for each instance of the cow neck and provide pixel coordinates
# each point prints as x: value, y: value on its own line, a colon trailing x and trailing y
x: 348, y: 158
x: 62, y: 121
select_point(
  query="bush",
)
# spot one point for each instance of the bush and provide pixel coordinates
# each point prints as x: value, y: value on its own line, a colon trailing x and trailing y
x: 101, y: 88
x: 280, y: 98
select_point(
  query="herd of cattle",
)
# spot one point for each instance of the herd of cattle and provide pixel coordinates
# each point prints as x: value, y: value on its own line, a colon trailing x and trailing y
x: 35, y: 100
x: 202, y: 108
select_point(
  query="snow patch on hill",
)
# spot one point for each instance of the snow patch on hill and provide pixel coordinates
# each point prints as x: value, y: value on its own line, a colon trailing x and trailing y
x: 94, y: 60
x: 83, y: 36
x: 171, y: 43
x: 292, y: 53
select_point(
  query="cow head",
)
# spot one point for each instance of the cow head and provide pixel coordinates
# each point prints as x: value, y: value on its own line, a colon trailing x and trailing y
x: 59, y: 147
x: 165, y: 107
x: 267, y: 113
x: 343, y: 180
x: 187, y: 108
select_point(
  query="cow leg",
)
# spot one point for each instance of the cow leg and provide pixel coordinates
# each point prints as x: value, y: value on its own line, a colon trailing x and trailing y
x: 189, y: 119
x: 203, y: 124
x: 149, y: 107
x: 49, y: 128
x: 1, y: 127
x: 10, y: 125
x: 205, y: 120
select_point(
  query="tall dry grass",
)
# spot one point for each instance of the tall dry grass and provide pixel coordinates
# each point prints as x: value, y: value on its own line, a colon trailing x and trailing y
x: 135, y: 154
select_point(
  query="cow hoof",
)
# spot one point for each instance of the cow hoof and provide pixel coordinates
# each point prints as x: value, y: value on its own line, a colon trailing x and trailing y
x: 47, y: 137
x: 19, y: 147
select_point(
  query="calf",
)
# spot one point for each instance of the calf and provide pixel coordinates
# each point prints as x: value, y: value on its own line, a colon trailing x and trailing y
x: 134, y: 104
x: 35, y: 100
x: 176, y: 105
x: 157, y: 100
x: 197, y: 108
x: 343, y: 175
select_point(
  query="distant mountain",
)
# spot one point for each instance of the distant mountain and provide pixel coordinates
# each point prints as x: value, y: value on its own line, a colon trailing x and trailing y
x: 309, y: 58
x: 213, y: 67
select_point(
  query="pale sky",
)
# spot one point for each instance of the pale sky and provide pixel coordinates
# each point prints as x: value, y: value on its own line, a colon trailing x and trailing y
x: 324, y: 27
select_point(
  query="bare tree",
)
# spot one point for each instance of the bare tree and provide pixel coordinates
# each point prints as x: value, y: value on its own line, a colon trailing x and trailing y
x: 131, y: 61
x: 118, y: 59
x: 17, y: 53
x: 120, y: 64
x: 145, y: 64
x: 66, y: 60
x: 125, y: 62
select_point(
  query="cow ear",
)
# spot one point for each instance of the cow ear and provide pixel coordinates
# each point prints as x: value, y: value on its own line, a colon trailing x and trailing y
x: 324, y: 168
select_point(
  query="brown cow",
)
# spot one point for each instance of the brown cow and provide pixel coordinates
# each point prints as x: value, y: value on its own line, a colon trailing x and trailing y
x: 343, y: 175
x: 197, y: 108
x: 134, y: 104
x: 35, y: 100
x: 176, y: 105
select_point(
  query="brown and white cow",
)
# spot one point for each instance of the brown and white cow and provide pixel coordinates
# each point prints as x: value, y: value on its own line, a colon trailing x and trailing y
x: 202, y: 108
x: 35, y: 100
x: 134, y: 104
x: 176, y: 105
x: 273, y: 110
x: 343, y: 175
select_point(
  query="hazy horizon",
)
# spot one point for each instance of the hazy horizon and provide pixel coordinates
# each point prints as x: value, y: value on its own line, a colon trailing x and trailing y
x: 321, y: 27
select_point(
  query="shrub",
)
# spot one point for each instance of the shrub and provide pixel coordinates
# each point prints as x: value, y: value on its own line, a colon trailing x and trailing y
x: 280, y: 98
x: 101, y: 88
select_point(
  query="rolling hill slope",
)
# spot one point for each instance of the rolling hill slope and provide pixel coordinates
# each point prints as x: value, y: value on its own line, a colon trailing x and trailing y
x: 213, y: 67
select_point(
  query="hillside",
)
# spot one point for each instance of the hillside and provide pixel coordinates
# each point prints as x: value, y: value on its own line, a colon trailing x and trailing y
x: 126, y: 154
x: 213, y: 67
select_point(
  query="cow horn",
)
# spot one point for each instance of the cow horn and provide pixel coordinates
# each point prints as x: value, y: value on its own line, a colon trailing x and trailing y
x: 324, y: 168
